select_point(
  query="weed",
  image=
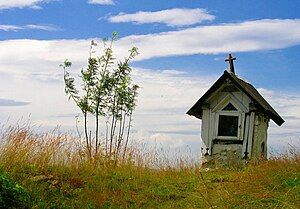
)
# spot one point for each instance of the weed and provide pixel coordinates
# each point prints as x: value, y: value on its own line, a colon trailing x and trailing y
x: 56, y: 173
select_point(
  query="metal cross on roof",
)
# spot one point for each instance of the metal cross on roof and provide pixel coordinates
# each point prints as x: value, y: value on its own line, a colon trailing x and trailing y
x: 230, y: 61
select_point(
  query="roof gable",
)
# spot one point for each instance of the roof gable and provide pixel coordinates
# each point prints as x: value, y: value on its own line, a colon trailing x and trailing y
x: 247, y: 88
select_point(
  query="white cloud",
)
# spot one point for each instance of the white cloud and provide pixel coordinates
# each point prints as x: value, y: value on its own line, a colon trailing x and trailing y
x: 170, y: 17
x: 256, y: 35
x: 162, y: 103
x: 288, y: 105
x: 10, y: 28
x: 7, y: 4
x: 224, y: 38
x: 102, y: 2
x: 28, y: 27
x: 47, y: 54
x: 41, y: 27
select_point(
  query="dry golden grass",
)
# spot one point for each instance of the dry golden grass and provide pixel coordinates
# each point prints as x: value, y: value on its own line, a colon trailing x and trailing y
x: 55, y: 170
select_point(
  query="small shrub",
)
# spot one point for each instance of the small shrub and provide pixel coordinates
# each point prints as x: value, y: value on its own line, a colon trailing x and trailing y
x: 12, y: 195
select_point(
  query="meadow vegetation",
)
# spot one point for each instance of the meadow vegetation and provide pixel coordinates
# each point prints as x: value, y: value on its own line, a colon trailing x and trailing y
x: 54, y: 170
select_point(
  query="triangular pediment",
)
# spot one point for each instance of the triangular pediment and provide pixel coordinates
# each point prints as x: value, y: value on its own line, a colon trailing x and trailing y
x: 229, y: 107
x: 230, y: 103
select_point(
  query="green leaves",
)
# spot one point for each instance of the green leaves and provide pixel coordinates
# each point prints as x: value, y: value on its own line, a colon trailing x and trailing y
x: 107, y: 90
x: 12, y: 195
x: 69, y: 82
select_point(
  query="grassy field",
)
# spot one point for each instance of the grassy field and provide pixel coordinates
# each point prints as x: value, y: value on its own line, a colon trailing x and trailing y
x: 52, y: 171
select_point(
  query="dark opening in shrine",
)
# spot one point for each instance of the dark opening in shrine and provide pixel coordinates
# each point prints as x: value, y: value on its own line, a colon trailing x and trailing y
x: 228, y: 125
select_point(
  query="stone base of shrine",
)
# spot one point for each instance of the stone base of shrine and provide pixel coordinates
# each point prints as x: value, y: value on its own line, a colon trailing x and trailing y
x: 224, y: 155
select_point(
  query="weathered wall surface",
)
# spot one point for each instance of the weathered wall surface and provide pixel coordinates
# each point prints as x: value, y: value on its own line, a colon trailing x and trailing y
x: 259, y: 146
x: 224, y: 151
x: 205, y: 127
x: 225, y: 154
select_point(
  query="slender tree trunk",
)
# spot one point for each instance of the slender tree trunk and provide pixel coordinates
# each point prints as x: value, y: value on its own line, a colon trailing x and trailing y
x: 91, y: 148
x: 119, y: 136
x: 114, y: 119
x: 111, y: 133
x: 127, y: 137
x: 114, y: 129
x: 97, y: 134
x: 123, y: 125
x: 121, y: 131
x: 97, y: 127
x: 86, y: 133
x: 106, y: 138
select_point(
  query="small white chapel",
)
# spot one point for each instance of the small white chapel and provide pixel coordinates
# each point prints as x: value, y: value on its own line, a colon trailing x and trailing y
x: 235, y: 119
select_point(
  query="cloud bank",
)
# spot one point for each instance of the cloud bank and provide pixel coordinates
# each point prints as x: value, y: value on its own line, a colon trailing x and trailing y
x: 10, y: 102
x: 265, y: 34
x: 235, y: 37
x: 170, y: 17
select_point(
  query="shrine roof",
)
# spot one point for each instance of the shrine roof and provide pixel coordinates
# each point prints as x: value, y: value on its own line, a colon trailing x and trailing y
x: 247, y: 88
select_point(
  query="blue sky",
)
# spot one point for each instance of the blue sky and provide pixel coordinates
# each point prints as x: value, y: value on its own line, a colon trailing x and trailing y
x: 183, y: 45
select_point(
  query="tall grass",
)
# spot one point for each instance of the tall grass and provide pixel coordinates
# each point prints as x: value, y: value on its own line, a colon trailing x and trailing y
x: 55, y: 170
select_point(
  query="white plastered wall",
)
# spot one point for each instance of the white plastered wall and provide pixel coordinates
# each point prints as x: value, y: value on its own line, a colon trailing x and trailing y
x: 209, y: 122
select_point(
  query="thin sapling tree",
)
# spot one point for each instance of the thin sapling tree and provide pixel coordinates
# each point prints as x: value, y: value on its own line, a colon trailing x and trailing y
x: 107, y: 92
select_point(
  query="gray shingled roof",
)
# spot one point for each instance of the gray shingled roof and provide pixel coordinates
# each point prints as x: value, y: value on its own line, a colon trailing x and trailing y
x: 247, y: 88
